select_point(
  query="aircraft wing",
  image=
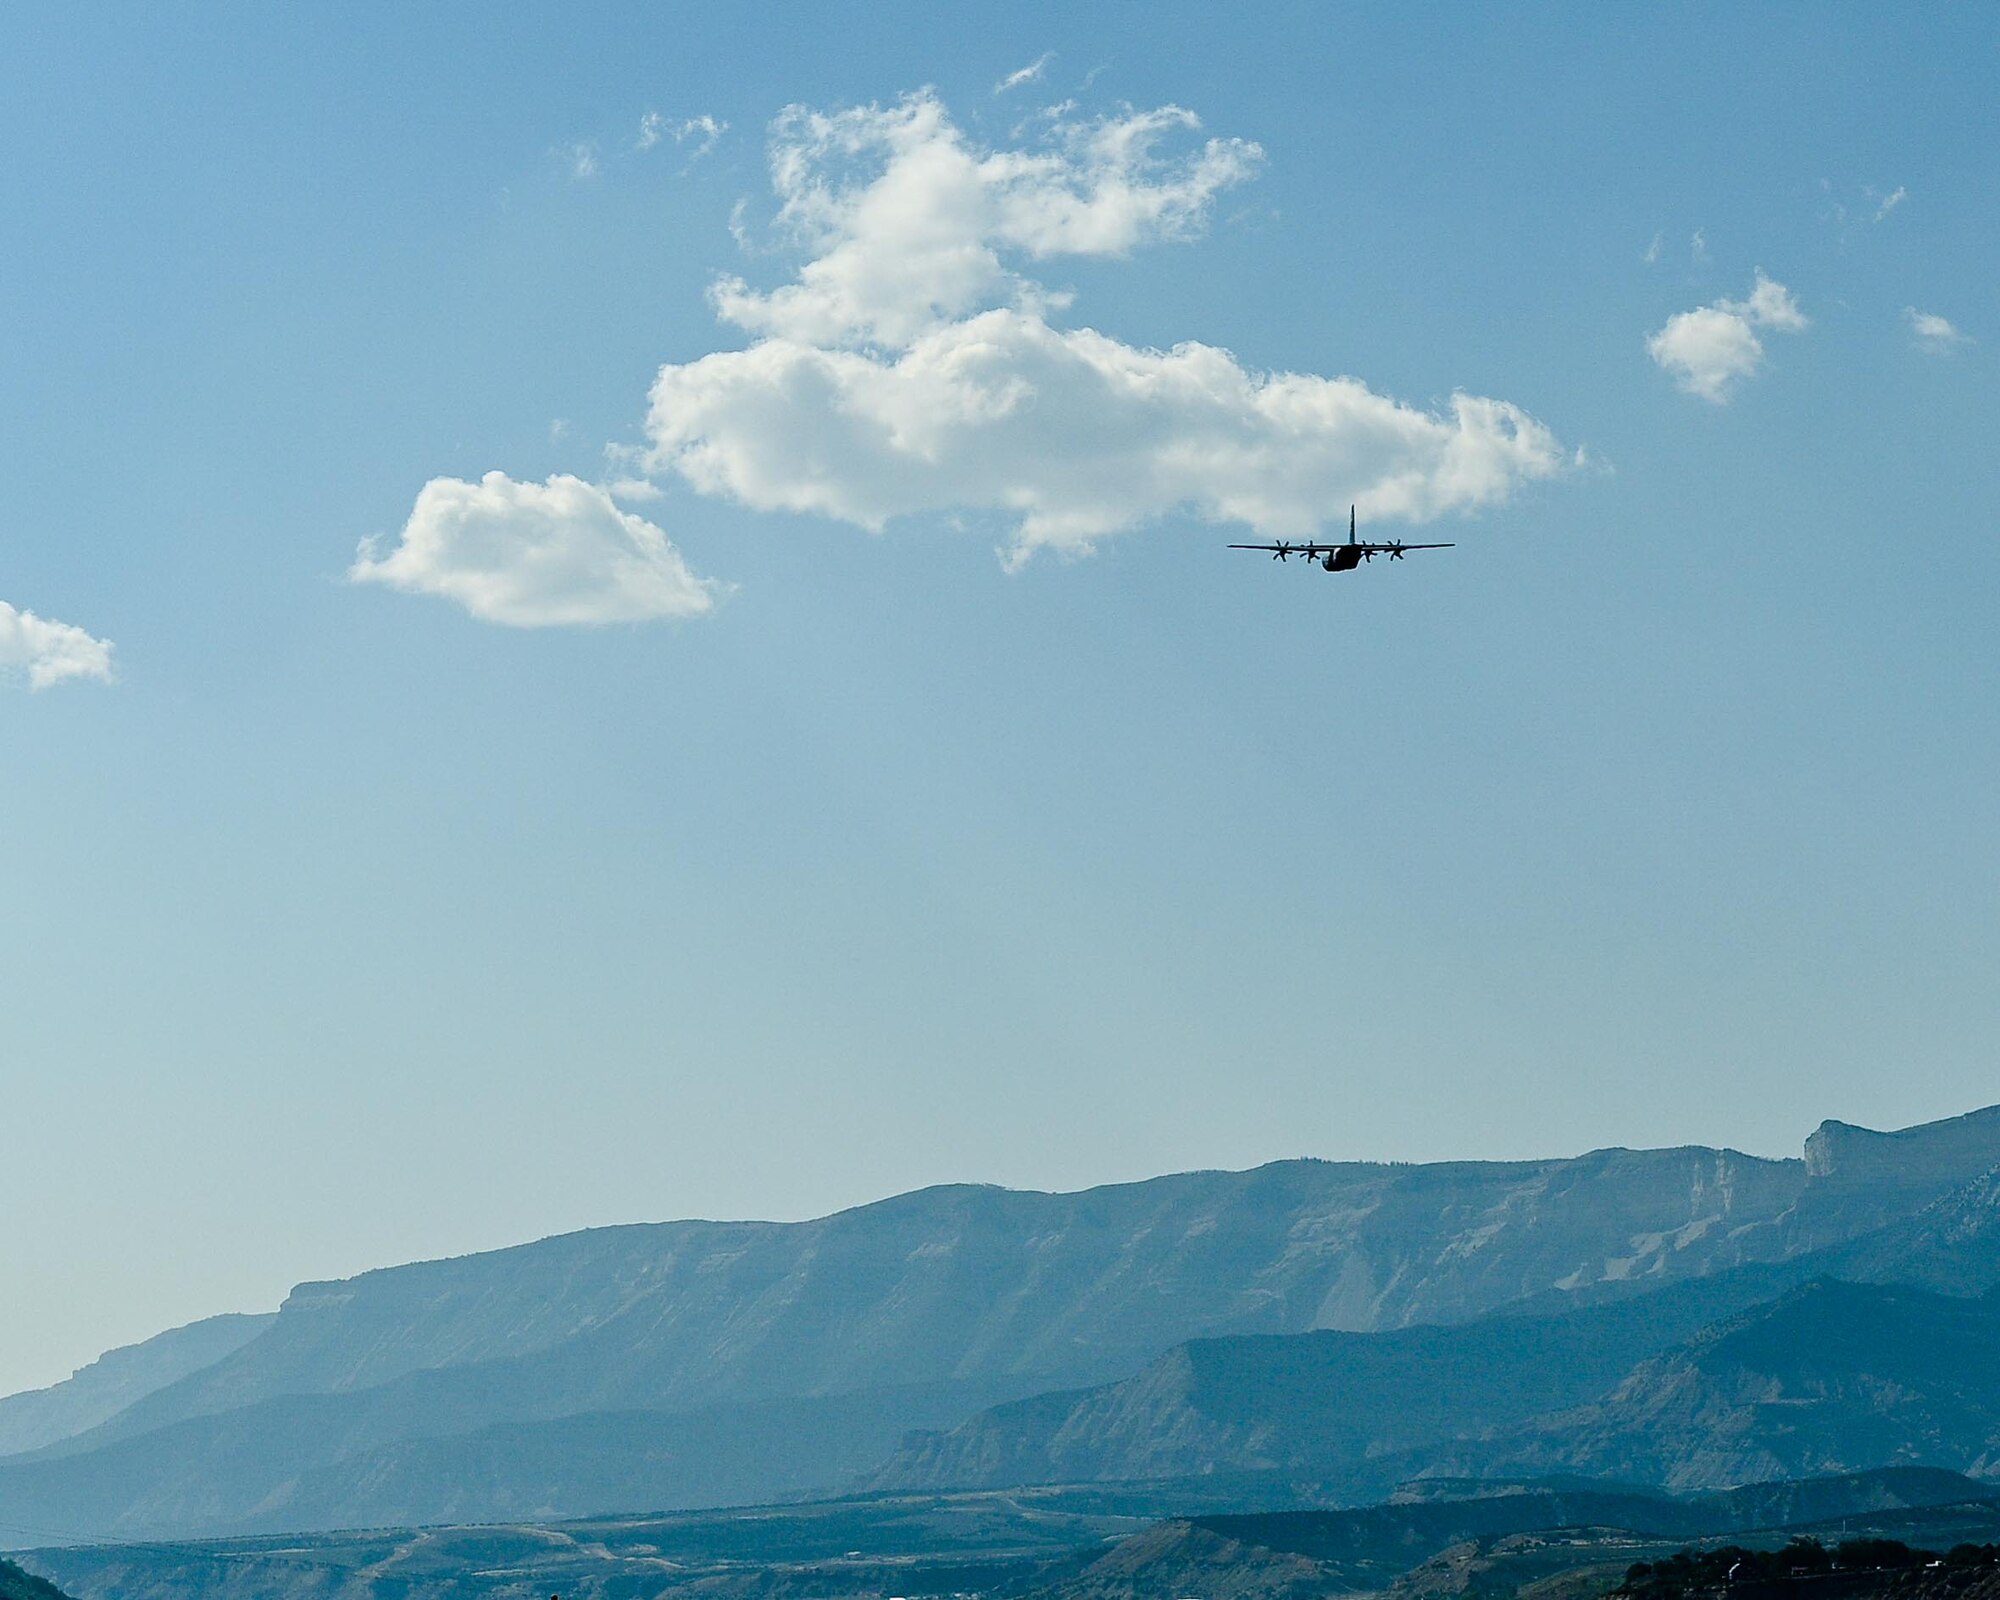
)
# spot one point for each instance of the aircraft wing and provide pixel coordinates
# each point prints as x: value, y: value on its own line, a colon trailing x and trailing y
x: 1309, y: 551
x: 1285, y: 548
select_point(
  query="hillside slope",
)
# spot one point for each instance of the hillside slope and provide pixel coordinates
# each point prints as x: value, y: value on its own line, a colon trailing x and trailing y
x: 1298, y: 1554
x: 311, y: 1463
x: 1952, y: 1245
x: 18, y: 1585
x: 1347, y: 1411
x: 118, y: 1378
x: 1832, y: 1377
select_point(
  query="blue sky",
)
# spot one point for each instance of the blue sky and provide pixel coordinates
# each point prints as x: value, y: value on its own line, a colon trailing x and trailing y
x: 350, y: 924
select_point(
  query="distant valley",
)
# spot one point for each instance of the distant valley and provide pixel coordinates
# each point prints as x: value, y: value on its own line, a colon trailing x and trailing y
x: 1462, y: 1539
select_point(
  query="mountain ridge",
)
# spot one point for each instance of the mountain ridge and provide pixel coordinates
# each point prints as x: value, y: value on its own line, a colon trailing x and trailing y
x: 1291, y: 1244
x: 960, y: 1290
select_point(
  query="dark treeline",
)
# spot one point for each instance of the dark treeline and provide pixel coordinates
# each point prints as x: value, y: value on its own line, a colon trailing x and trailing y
x: 1731, y: 1567
x: 16, y: 1584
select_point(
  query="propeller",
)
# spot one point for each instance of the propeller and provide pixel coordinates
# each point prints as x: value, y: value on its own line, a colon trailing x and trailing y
x: 1396, y: 552
x: 1280, y: 551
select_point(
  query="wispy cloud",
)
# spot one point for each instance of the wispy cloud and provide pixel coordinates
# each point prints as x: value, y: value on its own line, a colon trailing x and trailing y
x: 1872, y: 209
x: 704, y: 130
x: 47, y: 653
x: 1934, y: 335
x: 535, y: 555
x: 1652, y: 255
x: 580, y: 159
x: 1031, y: 73
x: 1715, y: 347
x: 1698, y: 247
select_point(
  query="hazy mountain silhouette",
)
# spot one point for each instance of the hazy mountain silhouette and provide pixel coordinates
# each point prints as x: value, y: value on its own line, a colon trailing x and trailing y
x: 118, y: 1378
x: 915, y: 1312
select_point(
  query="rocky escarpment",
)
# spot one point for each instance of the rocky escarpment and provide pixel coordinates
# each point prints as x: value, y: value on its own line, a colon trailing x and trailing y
x: 1860, y: 1179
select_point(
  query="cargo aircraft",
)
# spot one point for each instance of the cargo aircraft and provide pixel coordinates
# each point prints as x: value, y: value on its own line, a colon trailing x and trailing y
x: 1340, y: 557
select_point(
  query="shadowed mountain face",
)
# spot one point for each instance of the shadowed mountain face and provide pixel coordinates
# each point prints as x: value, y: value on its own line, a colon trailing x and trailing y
x: 381, y: 1395
x: 1350, y: 1412
x: 117, y: 1379
x: 1952, y: 1245
x: 1765, y: 1371
x: 1830, y: 1378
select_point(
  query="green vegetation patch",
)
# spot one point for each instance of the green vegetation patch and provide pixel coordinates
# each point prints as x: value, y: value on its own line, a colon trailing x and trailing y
x: 16, y: 1584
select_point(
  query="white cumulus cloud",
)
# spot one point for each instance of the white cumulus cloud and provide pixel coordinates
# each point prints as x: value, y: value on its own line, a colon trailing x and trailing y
x: 912, y: 365
x: 1935, y: 335
x: 536, y: 555
x: 1073, y: 435
x: 907, y: 222
x: 1712, y: 348
x: 49, y: 652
